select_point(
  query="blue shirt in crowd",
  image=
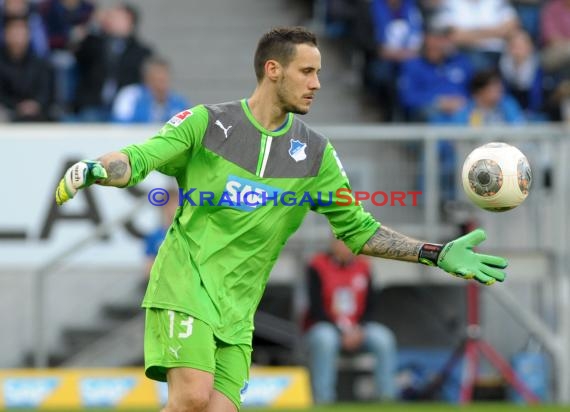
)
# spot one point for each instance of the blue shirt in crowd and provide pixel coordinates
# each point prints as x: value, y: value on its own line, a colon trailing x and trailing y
x: 136, y: 104
x: 422, y: 82
x: 507, y: 111
x: 397, y: 29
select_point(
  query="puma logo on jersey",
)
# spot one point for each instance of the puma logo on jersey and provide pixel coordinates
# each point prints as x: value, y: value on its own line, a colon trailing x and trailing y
x: 221, y: 126
x: 174, y: 350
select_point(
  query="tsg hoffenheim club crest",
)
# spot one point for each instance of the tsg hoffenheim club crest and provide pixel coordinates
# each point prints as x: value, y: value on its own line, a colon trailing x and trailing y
x: 297, y: 150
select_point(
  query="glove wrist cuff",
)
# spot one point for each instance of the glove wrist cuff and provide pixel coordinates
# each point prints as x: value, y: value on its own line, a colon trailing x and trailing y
x: 429, y: 253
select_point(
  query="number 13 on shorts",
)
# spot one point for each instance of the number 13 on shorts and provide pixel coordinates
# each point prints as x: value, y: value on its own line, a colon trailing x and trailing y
x: 185, y: 325
x: 176, y: 339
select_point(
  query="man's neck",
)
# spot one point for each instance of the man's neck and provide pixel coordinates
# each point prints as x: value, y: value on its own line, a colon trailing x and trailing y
x: 17, y: 56
x: 340, y: 261
x: 483, y: 105
x: 159, y: 97
x: 265, y: 109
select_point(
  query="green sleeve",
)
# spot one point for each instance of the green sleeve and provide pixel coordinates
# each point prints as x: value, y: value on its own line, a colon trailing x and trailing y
x: 350, y: 223
x: 168, y: 151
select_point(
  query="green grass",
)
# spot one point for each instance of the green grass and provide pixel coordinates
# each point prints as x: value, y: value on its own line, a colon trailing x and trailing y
x: 397, y: 407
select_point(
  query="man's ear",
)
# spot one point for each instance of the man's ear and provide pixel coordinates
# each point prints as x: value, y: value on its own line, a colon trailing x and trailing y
x: 273, y: 69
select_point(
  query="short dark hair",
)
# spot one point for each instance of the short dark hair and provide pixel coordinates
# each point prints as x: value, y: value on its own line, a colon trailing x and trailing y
x: 482, y: 79
x: 155, y: 60
x: 279, y: 44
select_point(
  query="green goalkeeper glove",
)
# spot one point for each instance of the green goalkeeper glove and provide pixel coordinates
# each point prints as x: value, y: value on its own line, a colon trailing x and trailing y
x: 458, y: 258
x: 82, y: 174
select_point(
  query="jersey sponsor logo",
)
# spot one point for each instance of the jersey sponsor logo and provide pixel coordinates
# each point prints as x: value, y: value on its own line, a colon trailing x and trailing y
x: 177, y: 119
x: 248, y: 195
x: 225, y: 129
x: 28, y: 392
x: 297, y: 150
x: 105, y: 392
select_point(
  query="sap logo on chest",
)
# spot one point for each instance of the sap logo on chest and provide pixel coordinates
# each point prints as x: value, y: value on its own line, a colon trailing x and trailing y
x: 247, y: 195
x: 297, y: 150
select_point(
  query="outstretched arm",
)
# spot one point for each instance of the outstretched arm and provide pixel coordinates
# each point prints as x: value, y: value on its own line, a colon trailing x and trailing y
x: 389, y: 244
x: 112, y: 169
x: 168, y: 152
x: 456, y: 257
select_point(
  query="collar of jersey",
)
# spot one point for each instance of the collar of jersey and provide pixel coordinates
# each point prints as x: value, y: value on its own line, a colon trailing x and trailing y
x: 279, y: 132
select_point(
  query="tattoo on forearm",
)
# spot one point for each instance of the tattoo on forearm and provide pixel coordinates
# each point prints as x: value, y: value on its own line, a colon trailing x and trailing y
x: 117, y: 170
x: 390, y: 244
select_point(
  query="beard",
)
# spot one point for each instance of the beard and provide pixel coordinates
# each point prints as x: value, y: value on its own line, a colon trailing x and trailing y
x: 284, y: 98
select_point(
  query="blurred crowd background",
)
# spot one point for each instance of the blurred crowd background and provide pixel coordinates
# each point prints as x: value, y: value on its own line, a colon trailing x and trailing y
x: 439, y: 61
x: 461, y: 62
x: 74, y: 61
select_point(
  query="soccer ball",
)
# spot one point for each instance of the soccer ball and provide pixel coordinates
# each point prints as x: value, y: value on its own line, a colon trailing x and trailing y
x: 496, y: 177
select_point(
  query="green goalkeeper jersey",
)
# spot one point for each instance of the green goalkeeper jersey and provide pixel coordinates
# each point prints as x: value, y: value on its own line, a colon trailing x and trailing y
x: 245, y: 191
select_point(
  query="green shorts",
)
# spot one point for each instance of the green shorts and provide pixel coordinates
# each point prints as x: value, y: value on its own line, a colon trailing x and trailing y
x: 177, y: 340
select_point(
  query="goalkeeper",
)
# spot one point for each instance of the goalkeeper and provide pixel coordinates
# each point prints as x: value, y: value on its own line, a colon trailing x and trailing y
x: 211, y: 271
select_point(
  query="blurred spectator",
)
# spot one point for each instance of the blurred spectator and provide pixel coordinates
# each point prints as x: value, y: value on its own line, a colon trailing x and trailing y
x: 150, y: 102
x: 340, y: 320
x: 558, y: 102
x: 350, y: 23
x: 24, y: 77
x: 66, y: 24
x: 555, y: 28
x: 351, y: 20
x: 434, y: 88
x: 489, y: 104
x: 430, y: 8
x: 336, y: 16
x: 522, y: 74
x: 435, y: 85
x: 528, y: 12
x: 555, y: 34
x: 66, y: 21
x: 108, y: 61
x: 480, y: 28
x: 398, y: 33
x: 24, y: 9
